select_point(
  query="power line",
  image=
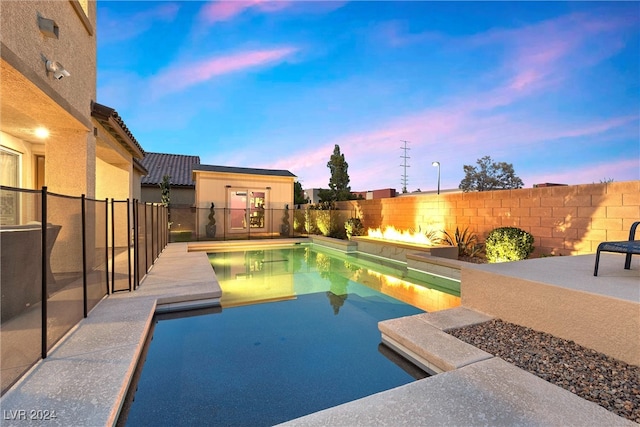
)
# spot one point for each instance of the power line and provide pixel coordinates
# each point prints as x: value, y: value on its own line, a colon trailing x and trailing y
x: 404, y: 165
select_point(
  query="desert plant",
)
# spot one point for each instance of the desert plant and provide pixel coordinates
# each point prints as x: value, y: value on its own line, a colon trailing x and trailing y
x: 431, y: 235
x: 210, y: 228
x: 354, y: 227
x: 284, y: 227
x: 508, y: 244
x: 465, y: 240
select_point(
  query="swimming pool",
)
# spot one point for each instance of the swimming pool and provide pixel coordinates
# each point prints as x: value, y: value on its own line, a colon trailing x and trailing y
x: 304, y: 340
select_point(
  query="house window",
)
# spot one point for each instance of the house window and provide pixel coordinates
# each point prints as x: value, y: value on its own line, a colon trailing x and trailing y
x: 9, y: 176
x: 9, y: 167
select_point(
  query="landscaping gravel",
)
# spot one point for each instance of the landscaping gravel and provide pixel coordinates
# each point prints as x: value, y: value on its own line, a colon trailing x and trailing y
x: 611, y: 383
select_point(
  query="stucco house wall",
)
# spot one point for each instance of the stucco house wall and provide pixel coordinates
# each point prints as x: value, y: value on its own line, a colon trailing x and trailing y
x: 61, y: 106
x: 83, y: 153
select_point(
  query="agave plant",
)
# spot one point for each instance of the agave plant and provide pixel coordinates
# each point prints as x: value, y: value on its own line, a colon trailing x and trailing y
x: 466, y: 241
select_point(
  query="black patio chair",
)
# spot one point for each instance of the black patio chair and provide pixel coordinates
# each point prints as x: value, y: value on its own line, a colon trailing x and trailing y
x: 629, y: 247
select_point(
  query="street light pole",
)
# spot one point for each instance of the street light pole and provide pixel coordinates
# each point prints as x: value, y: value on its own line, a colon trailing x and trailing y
x: 437, y: 164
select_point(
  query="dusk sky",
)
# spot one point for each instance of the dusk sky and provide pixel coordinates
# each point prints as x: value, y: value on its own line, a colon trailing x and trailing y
x: 550, y: 87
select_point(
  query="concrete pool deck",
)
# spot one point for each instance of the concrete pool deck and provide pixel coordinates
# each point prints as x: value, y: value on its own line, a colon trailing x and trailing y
x: 85, y: 378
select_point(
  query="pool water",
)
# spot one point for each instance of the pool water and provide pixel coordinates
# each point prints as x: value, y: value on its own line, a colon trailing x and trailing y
x: 308, y: 341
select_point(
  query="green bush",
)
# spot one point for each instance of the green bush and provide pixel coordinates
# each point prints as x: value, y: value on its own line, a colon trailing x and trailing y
x: 298, y: 220
x: 325, y: 219
x: 508, y: 244
x: 354, y: 227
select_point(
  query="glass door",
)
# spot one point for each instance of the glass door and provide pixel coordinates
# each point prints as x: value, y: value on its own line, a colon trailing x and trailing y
x: 238, y: 210
x: 247, y: 210
x: 256, y: 209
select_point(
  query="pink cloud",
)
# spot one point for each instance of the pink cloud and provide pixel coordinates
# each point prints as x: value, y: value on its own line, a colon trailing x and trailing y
x: 545, y: 54
x: 455, y: 135
x: 220, y: 11
x: 183, y: 76
x: 623, y: 170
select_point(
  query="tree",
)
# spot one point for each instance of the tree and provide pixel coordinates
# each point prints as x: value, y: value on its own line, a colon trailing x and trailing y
x: 490, y: 176
x: 298, y: 194
x: 339, y: 181
x: 165, y: 187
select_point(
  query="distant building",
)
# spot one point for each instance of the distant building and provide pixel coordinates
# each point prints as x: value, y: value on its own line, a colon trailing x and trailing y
x: 311, y: 194
x: 548, y: 184
x: 179, y: 167
x: 384, y: 193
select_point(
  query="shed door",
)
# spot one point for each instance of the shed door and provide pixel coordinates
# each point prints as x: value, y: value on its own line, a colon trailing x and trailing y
x: 246, y: 208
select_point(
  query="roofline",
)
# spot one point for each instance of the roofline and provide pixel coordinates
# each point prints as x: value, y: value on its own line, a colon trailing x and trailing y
x: 139, y: 167
x: 113, y: 123
x: 243, y: 171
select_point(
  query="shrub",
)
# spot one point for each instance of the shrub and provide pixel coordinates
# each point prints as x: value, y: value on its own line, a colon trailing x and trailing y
x: 508, y: 244
x: 466, y: 241
x: 325, y: 219
x: 299, y: 220
x: 310, y: 222
x: 354, y: 227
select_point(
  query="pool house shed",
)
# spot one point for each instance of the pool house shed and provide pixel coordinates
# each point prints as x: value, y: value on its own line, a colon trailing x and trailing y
x: 247, y: 201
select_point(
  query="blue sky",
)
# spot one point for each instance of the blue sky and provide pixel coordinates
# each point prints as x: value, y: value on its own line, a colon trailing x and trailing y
x: 550, y: 87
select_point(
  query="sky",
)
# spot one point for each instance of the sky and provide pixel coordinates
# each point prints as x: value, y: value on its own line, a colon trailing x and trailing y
x: 552, y: 88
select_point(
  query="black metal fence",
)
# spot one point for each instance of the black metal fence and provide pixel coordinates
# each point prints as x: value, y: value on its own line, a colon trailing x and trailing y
x: 60, y: 256
x: 196, y: 224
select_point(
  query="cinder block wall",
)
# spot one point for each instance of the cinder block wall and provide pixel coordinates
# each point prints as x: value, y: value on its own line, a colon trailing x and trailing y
x: 566, y: 220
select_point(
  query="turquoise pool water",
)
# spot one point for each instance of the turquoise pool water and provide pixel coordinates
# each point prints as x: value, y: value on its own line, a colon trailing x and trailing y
x: 308, y: 340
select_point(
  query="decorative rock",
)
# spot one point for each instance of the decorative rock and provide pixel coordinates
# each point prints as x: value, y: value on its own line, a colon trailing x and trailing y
x: 611, y: 383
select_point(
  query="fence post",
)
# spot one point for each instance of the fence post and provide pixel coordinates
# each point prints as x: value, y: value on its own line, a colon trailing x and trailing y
x: 44, y: 272
x: 224, y: 232
x: 113, y: 247
x: 136, y: 245
x: 129, y: 244
x: 106, y: 240
x: 153, y: 243
x: 84, y: 255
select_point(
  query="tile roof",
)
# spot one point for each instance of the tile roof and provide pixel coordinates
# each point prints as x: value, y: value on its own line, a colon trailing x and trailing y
x: 113, y: 123
x: 178, y: 166
x: 247, y: 171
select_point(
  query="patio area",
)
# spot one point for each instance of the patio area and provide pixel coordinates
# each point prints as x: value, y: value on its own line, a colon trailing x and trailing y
x: 85, y: 378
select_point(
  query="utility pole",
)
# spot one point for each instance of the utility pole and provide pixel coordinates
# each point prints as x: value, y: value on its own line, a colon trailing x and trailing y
x: 404, y: 165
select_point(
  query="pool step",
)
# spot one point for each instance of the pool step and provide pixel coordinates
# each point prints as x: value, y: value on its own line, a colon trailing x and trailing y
x: 422, y: 340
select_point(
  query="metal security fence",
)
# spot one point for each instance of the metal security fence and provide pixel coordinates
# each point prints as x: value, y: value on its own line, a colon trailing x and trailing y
x: 60, y: 256
x: 196, y: 224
